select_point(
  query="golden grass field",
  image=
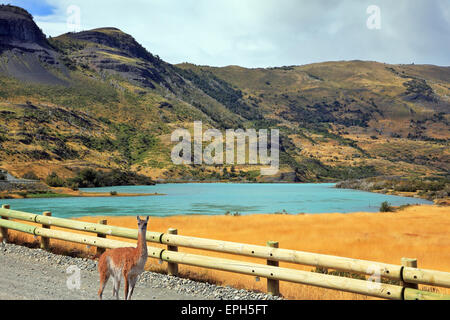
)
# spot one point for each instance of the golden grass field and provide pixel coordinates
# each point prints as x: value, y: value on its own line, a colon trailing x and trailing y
x: 420, y: 232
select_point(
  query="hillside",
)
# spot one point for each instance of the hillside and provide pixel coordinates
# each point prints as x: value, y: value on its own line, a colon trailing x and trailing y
x: 99, y: 99
x: 342, y: 113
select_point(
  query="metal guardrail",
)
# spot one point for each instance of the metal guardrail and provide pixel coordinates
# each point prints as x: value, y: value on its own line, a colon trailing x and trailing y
x: 410, y: 276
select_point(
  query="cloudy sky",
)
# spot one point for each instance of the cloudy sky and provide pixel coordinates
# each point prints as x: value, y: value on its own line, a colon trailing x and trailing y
x: 263, y: 33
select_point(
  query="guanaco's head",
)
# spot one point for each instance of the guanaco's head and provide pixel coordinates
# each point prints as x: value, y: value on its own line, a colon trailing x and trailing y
x: 142, y: 224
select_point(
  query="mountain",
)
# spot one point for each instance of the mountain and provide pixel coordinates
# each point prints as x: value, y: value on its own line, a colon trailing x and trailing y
x: 98, y: 99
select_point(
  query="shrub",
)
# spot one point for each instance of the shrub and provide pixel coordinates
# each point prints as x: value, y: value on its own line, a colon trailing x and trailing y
x: 74, y: 186
x: 386, y: 207
x: 90, y: 178
x: 54, y: 181
x: 113, y: 193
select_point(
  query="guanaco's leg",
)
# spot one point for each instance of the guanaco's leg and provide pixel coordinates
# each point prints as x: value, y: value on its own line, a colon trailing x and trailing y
x: 126, y: 284
x: 103, y: 280
x: 116, y: 287
x: 132, y: 284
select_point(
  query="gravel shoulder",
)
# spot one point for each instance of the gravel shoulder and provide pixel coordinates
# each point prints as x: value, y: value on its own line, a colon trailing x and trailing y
x: 34, y: 274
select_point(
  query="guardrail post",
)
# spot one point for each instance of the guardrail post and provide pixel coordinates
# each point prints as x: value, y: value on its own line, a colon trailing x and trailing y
x: 101, y: 250
x: 4, y: 231
x: 273, y: 286
x: 412, y: 263
x: 172, y: 268
x: 45, y: 242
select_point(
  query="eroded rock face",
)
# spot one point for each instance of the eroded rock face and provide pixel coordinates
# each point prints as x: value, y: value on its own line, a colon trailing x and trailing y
x: 18, y: 30
x: 119, y: 53
x: 114, y: 38
x: 28, y: 55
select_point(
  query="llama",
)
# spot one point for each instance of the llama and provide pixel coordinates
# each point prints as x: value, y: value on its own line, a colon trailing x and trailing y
x: 124, y: 262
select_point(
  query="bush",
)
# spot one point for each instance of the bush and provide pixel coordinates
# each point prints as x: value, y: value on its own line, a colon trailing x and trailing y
x: 90, y: 178
x: 113, y: 193
x: 73, y: 186
x: 386, y: 207
x: 54, y: 181
x: 406, y: 186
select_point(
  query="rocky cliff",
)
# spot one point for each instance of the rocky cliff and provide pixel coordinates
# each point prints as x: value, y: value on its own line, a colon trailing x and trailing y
x: 18, y: 30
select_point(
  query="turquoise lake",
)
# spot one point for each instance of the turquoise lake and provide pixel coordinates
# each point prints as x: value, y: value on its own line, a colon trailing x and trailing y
x: 215, y: 199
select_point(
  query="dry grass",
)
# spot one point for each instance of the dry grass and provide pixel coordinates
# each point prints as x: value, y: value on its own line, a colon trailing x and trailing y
x: 420, y: 232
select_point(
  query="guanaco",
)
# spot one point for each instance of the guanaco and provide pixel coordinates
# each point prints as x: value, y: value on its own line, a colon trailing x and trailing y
x: 128, y: 263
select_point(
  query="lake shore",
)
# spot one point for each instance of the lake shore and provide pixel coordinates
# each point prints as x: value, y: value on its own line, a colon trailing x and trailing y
x: 434, y: 189
x: 69, y: 193
x: 442, y: 202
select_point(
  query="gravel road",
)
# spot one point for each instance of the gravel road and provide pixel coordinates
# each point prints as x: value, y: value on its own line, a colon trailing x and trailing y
x: 34, y: 274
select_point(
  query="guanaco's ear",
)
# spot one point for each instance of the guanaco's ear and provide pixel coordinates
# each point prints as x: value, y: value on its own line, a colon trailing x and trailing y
x: 138, y: 219
x: 148, y: 217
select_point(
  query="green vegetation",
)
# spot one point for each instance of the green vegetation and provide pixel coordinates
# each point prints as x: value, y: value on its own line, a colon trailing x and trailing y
x: 236, y: 214
x: 429, y: 188
x: 386, y: 207
x: 53, y: 180
x: 82, y: 93
x: 226, y: 174
x: 101, y: 144
x: 3, y: 138
x: 221, y: 91
x: 133, y: 143
x: 47, y: 195
x: 89, y: 178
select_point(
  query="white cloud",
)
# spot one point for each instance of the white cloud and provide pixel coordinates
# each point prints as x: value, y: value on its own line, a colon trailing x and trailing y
x: 255, y: 33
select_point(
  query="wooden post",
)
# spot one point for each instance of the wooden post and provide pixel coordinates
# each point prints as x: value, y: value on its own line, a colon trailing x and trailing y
x: 100, y: 250
x: 172, y: 268
x: 45, y: 242
x: 4, y: 231
x: 273, y: 286
x: 412, y: 263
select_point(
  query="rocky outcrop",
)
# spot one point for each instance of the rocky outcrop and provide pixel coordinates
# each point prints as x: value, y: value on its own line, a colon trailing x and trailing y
x: 115, y: 38
x: 111, y: 50
x: 18, y: 30
x: 28, y: 55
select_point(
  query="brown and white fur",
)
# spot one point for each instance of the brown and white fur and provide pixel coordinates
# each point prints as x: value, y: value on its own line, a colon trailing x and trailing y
x: 124, y: 262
